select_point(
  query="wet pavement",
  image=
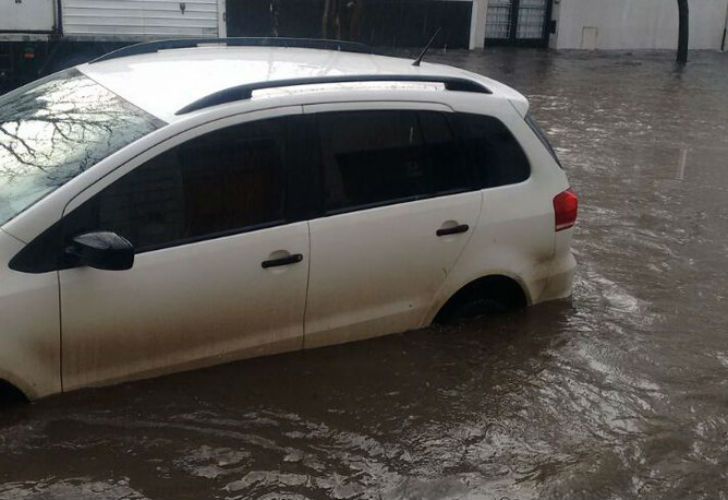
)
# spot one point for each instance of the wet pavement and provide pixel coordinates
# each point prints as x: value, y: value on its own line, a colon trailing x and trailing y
x: 620, y: 393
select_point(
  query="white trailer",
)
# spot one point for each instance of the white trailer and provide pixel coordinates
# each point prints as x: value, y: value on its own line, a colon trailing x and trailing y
x: 28, y: 16
x: 134, y: 19
x: 40, y: 36
x: 113, y: 19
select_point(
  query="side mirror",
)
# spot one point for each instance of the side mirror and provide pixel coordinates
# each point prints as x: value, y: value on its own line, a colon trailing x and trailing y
x: 103, y: 250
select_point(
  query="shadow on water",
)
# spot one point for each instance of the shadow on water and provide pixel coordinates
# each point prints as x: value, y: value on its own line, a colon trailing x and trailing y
x: 619, y: 393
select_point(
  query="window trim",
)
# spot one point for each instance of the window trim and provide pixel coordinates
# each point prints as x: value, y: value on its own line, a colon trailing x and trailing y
x: 369, y: 206
x: 208, y: 237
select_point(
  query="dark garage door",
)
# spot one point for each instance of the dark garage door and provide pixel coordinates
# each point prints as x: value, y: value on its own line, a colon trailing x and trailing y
x: 380, y: 23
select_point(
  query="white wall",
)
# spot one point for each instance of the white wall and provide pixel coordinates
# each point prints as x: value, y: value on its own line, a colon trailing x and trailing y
x: 477, y: 24
x: 636, y: 24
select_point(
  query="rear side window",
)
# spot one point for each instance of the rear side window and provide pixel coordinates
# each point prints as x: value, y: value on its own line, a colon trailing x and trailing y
x: 372, y: 158
x: 496, y: 154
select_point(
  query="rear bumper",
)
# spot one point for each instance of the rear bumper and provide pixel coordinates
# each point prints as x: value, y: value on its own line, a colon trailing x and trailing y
x: 560, y: 282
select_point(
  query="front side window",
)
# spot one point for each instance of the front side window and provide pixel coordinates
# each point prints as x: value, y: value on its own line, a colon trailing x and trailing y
x: 55, y: 129
x: 371, y: 158
x: 224, y: 182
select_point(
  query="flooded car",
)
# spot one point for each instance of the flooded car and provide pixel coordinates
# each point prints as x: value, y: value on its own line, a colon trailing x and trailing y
x: 292, y: 198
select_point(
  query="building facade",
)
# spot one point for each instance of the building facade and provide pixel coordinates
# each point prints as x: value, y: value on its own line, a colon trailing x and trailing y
x: 596, y: 24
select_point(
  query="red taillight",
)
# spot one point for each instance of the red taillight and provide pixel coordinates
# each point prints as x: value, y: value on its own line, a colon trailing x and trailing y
x: 566, y: 206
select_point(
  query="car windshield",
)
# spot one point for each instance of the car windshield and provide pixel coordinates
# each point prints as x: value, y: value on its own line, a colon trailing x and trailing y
x: 56, y: 128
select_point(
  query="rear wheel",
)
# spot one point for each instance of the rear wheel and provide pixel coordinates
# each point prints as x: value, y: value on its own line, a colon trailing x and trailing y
x: 485, y: 297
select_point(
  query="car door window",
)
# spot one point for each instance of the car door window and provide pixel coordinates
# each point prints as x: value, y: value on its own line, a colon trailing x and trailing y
x: 227, y: 181
x: 373, y: 158
x: 450, y: 174
x: 370, y: 158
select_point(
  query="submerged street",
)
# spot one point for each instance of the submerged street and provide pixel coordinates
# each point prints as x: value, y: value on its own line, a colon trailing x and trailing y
x: 621, y: 392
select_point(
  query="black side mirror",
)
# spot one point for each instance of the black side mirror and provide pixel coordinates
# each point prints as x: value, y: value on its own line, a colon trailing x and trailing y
x: 103, y: 250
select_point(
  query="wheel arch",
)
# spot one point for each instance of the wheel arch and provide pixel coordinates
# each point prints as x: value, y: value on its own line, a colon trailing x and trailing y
x: 506, y: 289
x: 10, y: 382
x: 10, y: 393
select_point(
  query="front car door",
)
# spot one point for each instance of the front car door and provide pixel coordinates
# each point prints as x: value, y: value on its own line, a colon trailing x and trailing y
x: 399, y: 206
x: 220, y: 271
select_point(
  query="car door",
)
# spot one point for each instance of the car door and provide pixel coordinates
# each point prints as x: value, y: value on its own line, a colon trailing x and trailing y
x: 399, y: 206
x: 220, y: 270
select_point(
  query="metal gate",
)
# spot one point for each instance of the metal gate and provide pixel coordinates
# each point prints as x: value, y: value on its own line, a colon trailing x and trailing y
x: 518, y: 22
x: 379, y: 23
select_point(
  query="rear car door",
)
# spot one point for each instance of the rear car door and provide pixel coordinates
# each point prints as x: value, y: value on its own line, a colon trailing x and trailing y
x: 221, y: 265
x: 399, y: 206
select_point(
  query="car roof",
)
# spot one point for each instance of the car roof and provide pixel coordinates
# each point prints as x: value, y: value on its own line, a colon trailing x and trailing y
x: 165, y: 81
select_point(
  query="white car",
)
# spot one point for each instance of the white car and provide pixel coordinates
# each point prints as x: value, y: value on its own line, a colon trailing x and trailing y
x: 181, y: 204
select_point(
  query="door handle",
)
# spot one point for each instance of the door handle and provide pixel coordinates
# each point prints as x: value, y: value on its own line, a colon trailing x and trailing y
x: 462, y: 228
x: 283, y: 261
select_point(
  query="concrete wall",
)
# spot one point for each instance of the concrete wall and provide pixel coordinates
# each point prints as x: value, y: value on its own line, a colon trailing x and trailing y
x: 636, y: 24
x: 477, y: 24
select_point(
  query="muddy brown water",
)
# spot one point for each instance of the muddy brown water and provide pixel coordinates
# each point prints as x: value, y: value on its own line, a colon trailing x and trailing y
x: 620, y: 393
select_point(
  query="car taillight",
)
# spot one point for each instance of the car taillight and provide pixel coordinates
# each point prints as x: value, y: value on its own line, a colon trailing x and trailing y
x: 566, y: 206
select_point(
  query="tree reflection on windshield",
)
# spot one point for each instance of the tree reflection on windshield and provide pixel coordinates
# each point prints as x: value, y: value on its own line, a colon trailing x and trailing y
x: 56, y: 128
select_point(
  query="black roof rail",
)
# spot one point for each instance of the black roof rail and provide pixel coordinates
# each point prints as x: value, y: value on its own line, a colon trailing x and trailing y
x: 242, y: 92
x: 187, y: 43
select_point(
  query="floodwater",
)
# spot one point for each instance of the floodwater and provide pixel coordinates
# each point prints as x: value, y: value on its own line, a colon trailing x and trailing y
x: 621, y: 392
